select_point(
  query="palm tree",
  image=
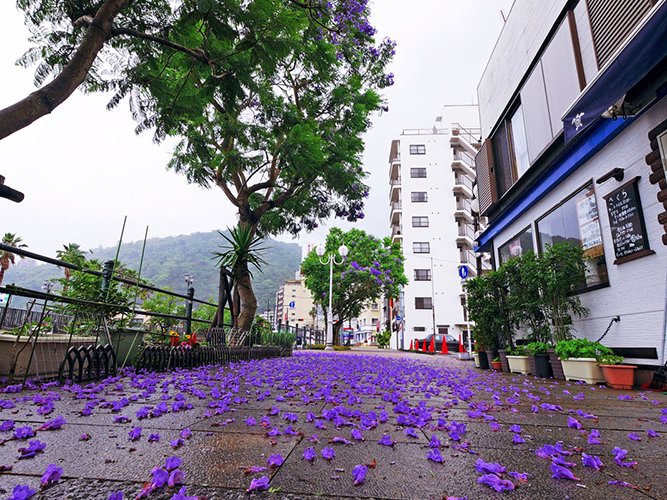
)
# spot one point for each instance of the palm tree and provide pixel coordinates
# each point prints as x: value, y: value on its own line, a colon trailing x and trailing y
x: 7, y: 258
x: 72, y: 254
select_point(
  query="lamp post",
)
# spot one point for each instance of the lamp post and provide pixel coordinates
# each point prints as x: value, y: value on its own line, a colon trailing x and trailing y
x: 331, y: 260
x: 189, y: 280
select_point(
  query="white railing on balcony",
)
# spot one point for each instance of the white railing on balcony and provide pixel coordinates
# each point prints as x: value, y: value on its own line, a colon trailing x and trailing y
x: 463, y: 180
x: 395, y: 158
x: 471, y: 135
x: 396, y: 205
x: 464, y: 157
x: 466, y: 230
x: 464, y: 205
x: 395, y: 182
x: 396, y: 230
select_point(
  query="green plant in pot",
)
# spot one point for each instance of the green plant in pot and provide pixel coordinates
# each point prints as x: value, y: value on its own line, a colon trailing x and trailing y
x: 616, y: 374
x: 496, y: 363
x: 538, y: 351
x: 517, y: 357
x: 580, y: 359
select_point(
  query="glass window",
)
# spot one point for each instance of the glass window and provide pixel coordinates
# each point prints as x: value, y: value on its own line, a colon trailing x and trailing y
x: 423, y: 303
x: 418, y: 173
x: 420, y: 222
x: 576, y: 222
x: 536, y: 113
x: 419, y: 328
x: 421, y: 247
x: 419, y: 196
x: 422, y: 275
x: 417, y: 149
x: 516, y: 247
x: 519, y: 144
x: 502, y: 156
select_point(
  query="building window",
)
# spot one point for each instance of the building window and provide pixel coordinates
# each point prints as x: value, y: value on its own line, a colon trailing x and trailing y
x: 422, y: 275
x: 662, y: 144
x: 443, y: 330
x: 418, y: 173
x: 419, y: 197
x: 375, y: 307
x: 516, y: 247
x: 420, y: 222
x: 419, y: 328
x: 421, y: 247
x: 519, y: 144
x: 417, y: 149
x: 576, y: 221
x: 423, y: 303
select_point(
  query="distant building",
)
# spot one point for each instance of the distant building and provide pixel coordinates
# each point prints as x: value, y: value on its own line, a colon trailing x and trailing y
x: 294, y: 304
x: 432, y: 177
x: 573, y: 114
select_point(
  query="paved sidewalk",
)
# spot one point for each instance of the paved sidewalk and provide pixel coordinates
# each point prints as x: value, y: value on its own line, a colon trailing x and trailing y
x: 240, y: 415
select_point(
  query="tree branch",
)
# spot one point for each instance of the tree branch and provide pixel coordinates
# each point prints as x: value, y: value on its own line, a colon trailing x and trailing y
x: 197, y: 54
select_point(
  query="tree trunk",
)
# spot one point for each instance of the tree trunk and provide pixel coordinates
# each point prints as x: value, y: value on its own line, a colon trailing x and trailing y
x: 336, y: 332
x: 2, y: 275
x: 45, y: 100
x: 248, y: 299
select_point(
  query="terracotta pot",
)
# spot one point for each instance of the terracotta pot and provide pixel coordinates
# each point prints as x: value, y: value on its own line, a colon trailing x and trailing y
x: 503, y: 360
x: 619, y: 376
x: 556, y: 365
x: 496, y: 365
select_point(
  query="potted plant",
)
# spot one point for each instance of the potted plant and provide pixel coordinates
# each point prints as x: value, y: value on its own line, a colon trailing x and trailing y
x: 518, y: 360
x: 496, y: 364
x: 579, y: 358
x: 539, y: 359
x: 475, y: 357
x: 616, y: 374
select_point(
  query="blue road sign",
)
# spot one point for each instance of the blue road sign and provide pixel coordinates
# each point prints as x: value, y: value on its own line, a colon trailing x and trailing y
x: 292, y: 305
x: 463, y: 271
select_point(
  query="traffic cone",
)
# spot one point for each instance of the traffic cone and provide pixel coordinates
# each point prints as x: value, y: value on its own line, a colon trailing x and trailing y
x: 461, y: 348
x: 431, y: 348
x: 445, y: 349
x: 425, y: 349
x: 411, y: 345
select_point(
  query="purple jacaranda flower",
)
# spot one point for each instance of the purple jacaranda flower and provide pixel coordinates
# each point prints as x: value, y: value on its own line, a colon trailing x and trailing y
x: 153, y: 438
x: 516, y: 429
x: 339, y: 440
x: 182, y: 495
x: 495, y: 426
x: 619, y: 457
x: 250, y: 422
x: 160, y: 477
x: 121, y: 419
x: 53, y: 425
x: 489, y: 467
x: 624, y: 397
x: 51, y: 475
x: 254, y: 469
x: 274, y: 411
x: 328, y: 453
x: 176, y: 477
x: 435, y: 456
x: 357, y: 435
x: 116, y: 495
x: 592, y: 461
x: 409, y: 431
x: 559, y: 472
x: 434, y: 442
x: 274, y: 432
x: 32, y: 449
x: 314, y: 439
x: 386, y: 440
x: 24, y: 432
x: 550, y: 407
x: 7, y: 425
x: 616, y: 482
x: 275, y: 460
x: 134, y: 434
x: 309, y: 454
x: 21, y: 492
x: 517, y: 439
x: 186, y: 433
x: 319, y: 424
x: 143, y: 412
x: 359, y: 474
x: 522, y: 477
x: 652, y: 434
x: 289, y: 431
x: 579, y: 397
x: 172, y: 463
x: 176, y: 443
x: 593, y: 437
x: 496, y: 482
x: 85, y: 437
x: 534, y: 408
x: 634, y: 436
x: 559, y: 460
x: 573, y: 423
x: 258, y: 484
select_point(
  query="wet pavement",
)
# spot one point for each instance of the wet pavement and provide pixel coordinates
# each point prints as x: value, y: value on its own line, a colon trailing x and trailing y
x: 220, y: 421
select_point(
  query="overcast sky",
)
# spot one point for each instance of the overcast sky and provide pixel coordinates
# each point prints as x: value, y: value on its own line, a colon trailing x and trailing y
x: 83, y: 169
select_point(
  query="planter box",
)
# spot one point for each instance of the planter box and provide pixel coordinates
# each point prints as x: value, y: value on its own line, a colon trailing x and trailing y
x: 50, y: 350
x: 541, y: 366
x: 475, y: 357
x: 503, y: 360
x: 619, y: 376
x: 556, y: 365
x: 585, y: 369
x: 127, y: 344
x: 519, y: 364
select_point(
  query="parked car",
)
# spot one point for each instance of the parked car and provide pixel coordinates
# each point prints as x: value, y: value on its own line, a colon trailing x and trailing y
x: 452, y: 342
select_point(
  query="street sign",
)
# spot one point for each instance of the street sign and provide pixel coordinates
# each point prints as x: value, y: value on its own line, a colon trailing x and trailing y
x: 463, y: 271
x: 398, y: 317
x: 292, y: 305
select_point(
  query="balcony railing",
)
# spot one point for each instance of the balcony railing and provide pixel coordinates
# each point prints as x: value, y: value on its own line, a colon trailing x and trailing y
x: 464, y: 205
x: 396, y: 230
x: 464, y: 157
x: 395, y: 158
x: 463, y: 180
x: 466, y: 230
x: 396, y: 205
x: 471, y: 135
x: 395, y: 182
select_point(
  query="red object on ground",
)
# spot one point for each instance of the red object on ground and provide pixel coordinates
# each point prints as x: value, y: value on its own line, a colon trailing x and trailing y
x: 431, y: 348
x: 461, y: 348
x: 425, y: 348
x: 445, y: 349
x: 411, y: 345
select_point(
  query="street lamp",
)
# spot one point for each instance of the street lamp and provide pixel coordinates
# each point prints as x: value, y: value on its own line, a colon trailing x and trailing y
x: 331, y: 260
x: 48, y: 286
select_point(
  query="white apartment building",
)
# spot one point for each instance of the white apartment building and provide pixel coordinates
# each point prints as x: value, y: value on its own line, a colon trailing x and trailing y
x: 431, y: 175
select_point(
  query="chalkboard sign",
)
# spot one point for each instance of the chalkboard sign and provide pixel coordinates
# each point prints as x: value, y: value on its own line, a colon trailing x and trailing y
x: 626, y: 221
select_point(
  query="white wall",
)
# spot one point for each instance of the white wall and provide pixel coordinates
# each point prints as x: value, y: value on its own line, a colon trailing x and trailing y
x: 638, y: 289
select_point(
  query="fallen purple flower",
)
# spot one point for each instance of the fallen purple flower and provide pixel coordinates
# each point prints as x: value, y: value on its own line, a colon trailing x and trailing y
x: 176, y: 443
x: 339, y: 440
x: 24, y: 432
x: 573, y: 423
x: 409, y: 431
x: 386, y: 440
x: 359, y: 474
x: 634, y: 436
x: 328, y: 453
x: 489, y: 467
x: 275, y: 460
x: 153, y: 438
x: 495, y: 482
x: 134, y: 434
x: 254, y: 469
x: 434, y: 442
x: 172, y: 463
x: 616, y: 482
x: 435, y: 456
x: 559, y: 472
x: 309, y: 454
x: 516, y: 429
x: 522, y: 477
x: 592, y: 461
x: 52, y: 475
x: 7, y: 425
x: 186, y: 433
x: 250, y: 422
x: 85, y: 437
x: 21, y: 492
x: 258, y: 484
x: 160, y: 477
x: 116, y: 495
x: 357, y: 435
x: 182, y: 495
x: 652, y: 434
x: 176, y: 477
x: 517, y: 439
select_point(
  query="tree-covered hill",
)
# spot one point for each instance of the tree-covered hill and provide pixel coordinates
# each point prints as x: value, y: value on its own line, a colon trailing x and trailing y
x: 168, y: 259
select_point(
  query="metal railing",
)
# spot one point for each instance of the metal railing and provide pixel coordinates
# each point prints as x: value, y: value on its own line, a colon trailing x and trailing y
x: 396, y: 230
x: 466, y: 230
x: 464, y: 157
x: 463, y: 180
x: 471, y: 135
x: 463, y: 204
x: 396, y: 205
x: 395, y: 182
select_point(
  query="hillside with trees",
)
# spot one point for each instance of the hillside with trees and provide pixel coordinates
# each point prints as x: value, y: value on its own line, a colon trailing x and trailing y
x: 168, y: 259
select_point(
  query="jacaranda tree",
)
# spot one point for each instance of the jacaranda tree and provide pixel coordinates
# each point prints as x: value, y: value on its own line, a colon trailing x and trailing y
x: 372, y: 269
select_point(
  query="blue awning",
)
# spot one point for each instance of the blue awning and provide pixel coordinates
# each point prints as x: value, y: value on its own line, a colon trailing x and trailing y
x: 641, y: 54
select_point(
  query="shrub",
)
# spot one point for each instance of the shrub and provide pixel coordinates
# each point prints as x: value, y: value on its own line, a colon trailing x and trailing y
x: 316, y: 347
x: 341, y: 348
x: 581, y: 348
x: 610, y: 359
x: 383, y: 339
x: 518, y: 350
x: 535, y: 348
